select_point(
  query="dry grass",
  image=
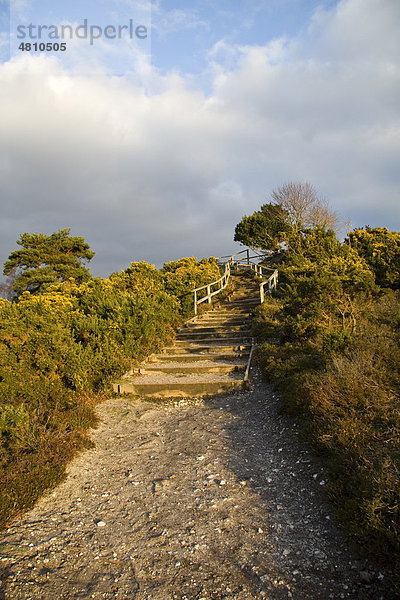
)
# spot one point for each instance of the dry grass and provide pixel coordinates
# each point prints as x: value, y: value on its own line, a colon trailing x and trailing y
x: 349, y: 404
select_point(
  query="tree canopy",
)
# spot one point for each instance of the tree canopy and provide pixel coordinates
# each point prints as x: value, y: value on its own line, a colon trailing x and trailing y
x: 304, y: 207
x: 265, y: 229
x: 46, y: 259
x: 295, y: 209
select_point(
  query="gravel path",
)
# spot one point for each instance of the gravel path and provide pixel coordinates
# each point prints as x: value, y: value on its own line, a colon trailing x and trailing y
x: 188, y: 500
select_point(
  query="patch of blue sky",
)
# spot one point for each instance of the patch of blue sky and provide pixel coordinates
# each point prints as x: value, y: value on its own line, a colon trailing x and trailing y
x: 106, y: 33
x: 4, y: 30
x: 183, y: 35
x: 100, y: 12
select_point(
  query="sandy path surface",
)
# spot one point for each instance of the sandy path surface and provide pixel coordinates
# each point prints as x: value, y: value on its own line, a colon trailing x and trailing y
x: 214, y: 499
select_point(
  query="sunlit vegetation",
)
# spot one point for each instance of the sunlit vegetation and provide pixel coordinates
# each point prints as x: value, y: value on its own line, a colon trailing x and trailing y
x: 330, y: 343
x: 63, y: 339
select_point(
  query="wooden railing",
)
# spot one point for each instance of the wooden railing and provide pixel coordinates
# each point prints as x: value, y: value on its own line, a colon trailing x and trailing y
x: 260, y: 271
x: 272, y: 283
x: 222, y: 282
x: 245, y: 262
x: 246, y: 374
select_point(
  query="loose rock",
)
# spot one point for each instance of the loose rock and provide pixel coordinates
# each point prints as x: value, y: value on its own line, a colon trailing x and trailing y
x: 194, y: 500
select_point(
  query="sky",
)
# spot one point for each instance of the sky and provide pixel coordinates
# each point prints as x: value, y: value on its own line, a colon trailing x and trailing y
x: 153, y: 148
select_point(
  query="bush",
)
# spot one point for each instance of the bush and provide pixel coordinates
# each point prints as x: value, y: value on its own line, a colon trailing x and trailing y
x: 59, y: 351
x: 335, y: 359
x: 182, y: 276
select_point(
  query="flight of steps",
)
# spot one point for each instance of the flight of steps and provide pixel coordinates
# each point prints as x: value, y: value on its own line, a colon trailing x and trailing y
x: 210, y: 355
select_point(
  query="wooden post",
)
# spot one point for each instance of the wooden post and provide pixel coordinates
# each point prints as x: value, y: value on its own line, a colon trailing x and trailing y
x: 209, y: 294
x: 262, y: 292
x: 195, y: 302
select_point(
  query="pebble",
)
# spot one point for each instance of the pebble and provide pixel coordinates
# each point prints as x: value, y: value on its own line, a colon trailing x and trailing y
x: 163, y: 541
x: 366, y: 577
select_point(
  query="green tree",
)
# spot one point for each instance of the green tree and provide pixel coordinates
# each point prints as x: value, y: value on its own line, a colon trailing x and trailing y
x: 46, y: 259
x: 296, y: 211
x: 265, y: 229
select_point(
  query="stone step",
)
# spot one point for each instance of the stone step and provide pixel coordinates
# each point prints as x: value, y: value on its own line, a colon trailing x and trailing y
x: 209, y: 348
x: 237, y: 309
x: 209, y: 327
x: 192, y: 358
x: 221, y: 317
x: 255, y: 295
x: 170, y: 387
x: 215, y: 326
x: 245, y: 303
x: 210, y: 355
x: 200, y: 366
x: 211, y: 343
x: 226, y: 314
x: 220, y: 326
x: 212, y: 335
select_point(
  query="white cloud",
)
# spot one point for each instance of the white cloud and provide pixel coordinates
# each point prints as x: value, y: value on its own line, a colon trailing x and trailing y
x: 355, y: 30
x: 146, y: 167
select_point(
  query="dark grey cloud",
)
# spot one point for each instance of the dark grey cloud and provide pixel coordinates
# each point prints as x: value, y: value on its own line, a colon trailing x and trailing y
x: 159, y: 170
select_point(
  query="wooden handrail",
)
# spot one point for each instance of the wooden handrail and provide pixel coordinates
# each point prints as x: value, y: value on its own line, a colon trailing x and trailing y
x: 222, y: 282
x: 272, y: 282
x: 246, y: 375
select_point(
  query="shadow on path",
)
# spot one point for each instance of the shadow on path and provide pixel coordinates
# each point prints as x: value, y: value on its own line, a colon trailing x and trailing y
x: 185, y: 500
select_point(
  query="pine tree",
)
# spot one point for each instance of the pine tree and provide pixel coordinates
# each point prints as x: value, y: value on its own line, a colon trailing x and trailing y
x: 46, y: 259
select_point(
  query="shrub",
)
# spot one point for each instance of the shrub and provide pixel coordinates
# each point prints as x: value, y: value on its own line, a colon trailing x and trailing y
x: 338, y: 371
x: 182, y: 276
x: 59, y: 351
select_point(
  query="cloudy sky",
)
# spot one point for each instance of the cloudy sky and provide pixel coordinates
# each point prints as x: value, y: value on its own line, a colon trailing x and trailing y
x: 154, y: 148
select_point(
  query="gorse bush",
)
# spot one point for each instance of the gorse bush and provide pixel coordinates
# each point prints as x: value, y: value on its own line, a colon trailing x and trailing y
x: 320, y: 288
x: 336, y: 361
x: 330, y: 343
x: 381, y: 249
x: 61, y: 346
x: 186, y: 274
